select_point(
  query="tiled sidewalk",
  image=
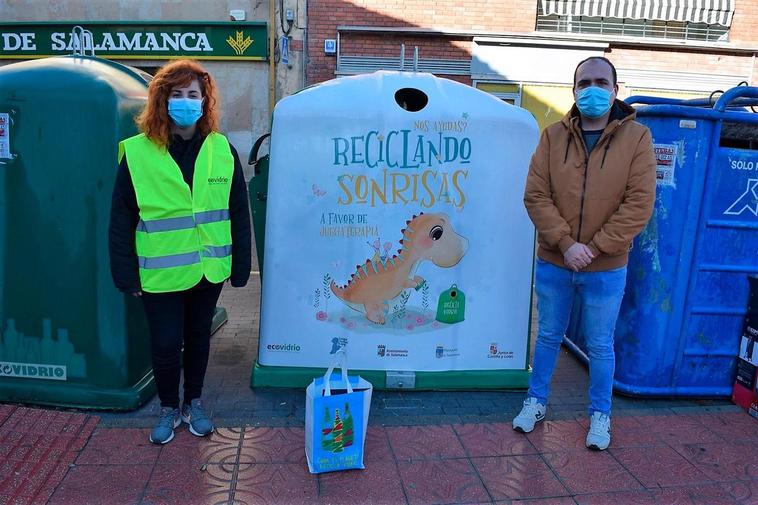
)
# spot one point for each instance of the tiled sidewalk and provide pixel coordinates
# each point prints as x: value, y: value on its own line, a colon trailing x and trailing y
x: 696, y: 458
x: 422, y: 447
x: 38, y: 448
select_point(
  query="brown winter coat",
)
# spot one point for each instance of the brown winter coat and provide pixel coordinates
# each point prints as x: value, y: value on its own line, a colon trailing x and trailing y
x: 602, y: 200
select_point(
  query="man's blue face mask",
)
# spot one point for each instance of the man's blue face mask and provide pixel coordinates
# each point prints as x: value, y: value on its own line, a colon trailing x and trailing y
x: 185, y: 111
x: 593, y: 102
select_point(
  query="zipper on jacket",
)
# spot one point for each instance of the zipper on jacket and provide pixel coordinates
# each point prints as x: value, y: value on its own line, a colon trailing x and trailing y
x: 584, y: 186
x: 586, y: 171
x: 607, y: 146
x: 584, y: 189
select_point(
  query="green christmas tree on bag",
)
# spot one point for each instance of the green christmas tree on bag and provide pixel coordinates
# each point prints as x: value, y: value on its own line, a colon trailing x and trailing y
x: 326, y: 429
x: 349, y: 427
x: 339, y: 432
x: 333, y: 433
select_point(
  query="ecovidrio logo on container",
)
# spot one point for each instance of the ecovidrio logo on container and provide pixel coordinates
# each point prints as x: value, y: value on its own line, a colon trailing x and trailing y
x: 33, y: 371
x: 283, y: 348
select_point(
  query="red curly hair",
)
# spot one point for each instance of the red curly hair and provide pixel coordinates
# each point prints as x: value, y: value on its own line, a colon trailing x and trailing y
x: 154, y: 120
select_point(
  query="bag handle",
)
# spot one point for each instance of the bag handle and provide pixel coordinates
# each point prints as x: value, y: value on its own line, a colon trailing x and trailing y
x: 341, y: 362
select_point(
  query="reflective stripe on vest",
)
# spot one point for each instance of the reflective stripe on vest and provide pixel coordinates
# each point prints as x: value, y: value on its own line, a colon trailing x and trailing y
x: 217, y: 251
x: 178, y: 260
x: 212, y: 216
x: 182, y: 235
x: 181, y: 223
x: 173, y: 260
x: 169, y: 224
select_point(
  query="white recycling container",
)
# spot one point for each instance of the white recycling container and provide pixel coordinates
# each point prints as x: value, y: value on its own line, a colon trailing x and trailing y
x: 396, y: 230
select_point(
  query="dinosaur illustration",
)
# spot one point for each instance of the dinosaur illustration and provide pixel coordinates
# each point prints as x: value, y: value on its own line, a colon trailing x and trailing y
x: 426, y: 237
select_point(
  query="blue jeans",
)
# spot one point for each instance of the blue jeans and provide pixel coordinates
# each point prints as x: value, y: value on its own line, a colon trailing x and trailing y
x: 600, y: 294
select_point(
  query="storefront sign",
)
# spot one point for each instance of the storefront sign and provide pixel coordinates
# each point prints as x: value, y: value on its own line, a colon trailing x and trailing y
x: 134, y: 40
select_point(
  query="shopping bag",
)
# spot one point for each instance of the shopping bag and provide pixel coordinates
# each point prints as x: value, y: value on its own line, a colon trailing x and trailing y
x: 336, y: 418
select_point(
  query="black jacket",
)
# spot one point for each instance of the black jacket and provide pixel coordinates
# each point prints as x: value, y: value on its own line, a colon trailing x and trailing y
x: 125, y: 216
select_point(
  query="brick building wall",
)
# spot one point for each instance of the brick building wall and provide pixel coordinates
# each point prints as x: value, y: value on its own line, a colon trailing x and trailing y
x: 493, y: 16
x: 477, y: 15
x: 744, y: 29
x: 744, y: 26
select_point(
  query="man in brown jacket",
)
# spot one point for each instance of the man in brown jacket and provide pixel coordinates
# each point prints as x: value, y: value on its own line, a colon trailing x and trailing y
x: 590, y: 191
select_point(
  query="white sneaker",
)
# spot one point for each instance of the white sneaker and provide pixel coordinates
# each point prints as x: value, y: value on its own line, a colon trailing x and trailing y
x: 532, y: 412
x: 599, y: 435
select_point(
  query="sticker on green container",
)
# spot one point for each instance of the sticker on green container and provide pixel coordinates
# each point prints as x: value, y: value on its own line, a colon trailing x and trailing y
x: 451, y: 307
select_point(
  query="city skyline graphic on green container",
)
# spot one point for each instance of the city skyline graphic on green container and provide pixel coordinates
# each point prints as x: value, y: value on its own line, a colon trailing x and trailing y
x: 29, y: 352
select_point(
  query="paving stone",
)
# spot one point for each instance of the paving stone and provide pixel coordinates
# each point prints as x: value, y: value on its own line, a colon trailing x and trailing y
x: 171, y: 484
x: 442, y: 481
x: 378, y: 484
x: 102, y: 484
x: 584, y: 472
x: 119, y: 446
x: 657, y: 467
x: 425, y: 442
x: 276, y: 483
x: 518, y: 477
x: 492, y: 439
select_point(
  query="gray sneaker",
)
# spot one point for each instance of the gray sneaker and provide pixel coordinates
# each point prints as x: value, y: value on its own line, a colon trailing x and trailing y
x: 599, y: 434
x: 168, y: 419
x: 194, y: 415
x: 531, y: 413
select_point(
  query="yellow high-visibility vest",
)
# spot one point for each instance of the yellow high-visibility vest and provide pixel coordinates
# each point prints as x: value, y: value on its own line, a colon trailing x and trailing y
x: 182, y: 235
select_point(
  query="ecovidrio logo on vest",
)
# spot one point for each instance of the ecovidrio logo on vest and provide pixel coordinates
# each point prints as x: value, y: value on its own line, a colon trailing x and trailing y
x: 218, y: 180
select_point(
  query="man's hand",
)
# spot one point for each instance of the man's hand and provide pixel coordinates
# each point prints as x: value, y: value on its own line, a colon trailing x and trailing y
x: 578, y: 256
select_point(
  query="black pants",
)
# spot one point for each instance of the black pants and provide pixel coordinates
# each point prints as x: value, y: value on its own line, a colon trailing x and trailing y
x: 182, y: 317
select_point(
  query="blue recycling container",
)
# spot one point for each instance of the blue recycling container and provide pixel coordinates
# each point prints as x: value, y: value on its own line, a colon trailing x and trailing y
x: 687, y: 287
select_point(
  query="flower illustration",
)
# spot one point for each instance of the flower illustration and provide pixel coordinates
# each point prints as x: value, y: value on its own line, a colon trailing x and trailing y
x: 420, y: 320
x: 321, y: 315
x: 410, y: 327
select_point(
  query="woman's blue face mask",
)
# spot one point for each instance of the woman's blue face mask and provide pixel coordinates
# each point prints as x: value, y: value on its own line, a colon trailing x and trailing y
x: 593, y: 102
x: 185, y: 111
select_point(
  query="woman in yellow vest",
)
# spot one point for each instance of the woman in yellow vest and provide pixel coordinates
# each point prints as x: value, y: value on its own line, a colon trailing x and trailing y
x: 179, y: 228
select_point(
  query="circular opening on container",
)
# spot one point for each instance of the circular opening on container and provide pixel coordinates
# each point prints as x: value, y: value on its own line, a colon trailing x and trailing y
x: 452, y: 294
x: 411, y: 99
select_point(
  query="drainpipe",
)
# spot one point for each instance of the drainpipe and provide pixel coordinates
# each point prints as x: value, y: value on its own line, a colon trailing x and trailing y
x: 305, y: 48
x: 271, y: 62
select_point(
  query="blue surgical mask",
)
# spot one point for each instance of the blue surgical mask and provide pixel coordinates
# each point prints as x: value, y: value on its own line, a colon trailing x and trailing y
x: 185, y: 111
x: 593, y: 102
